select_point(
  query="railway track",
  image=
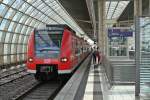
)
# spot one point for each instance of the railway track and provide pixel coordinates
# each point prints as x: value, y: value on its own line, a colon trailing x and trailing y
x: 11, y: 72
x: 12, y: 77
x: 22, y: 85
x: 11, y: 89
x: 27, y: 88
x: 42, y: 91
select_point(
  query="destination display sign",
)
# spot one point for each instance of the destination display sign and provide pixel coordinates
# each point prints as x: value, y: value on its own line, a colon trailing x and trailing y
x: 120, y: 32
x: 55, y: 28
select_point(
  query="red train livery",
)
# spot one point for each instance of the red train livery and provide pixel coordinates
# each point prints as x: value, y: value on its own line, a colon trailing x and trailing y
x: 54, y: 49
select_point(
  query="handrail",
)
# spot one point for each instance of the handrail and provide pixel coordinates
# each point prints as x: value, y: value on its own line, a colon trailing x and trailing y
x: 107, y: 66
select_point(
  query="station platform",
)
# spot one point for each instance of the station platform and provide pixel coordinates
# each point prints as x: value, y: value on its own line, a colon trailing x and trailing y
x: 90, y: 83
x: 98, y: 87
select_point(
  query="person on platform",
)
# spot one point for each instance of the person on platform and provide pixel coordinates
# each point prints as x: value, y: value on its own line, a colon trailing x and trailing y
x: 98, y: 56
x: 94, y: 56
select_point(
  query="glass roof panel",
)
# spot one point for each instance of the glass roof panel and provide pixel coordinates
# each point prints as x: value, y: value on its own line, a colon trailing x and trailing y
x: 30, y: 1
x: 9, y: 13
x: 43, y: 11
x: 115, y: 8
x: 2, y: 25
x: 37, y: 3
x: 24, y: 7
x: 6, y: 1
x: 29, y: 10
x: 41, y: 6
x: 17, y: 4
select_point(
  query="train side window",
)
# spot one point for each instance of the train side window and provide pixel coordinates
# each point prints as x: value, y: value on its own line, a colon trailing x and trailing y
x: 73, y: 43
x: 76, y: 48
x: 82, y: 49
x: 79, y: 50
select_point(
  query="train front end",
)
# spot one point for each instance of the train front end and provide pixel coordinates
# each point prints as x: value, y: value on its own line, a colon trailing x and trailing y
x: 43, y: 56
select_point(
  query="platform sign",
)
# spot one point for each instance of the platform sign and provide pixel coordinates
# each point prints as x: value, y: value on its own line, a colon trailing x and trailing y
x: 120, y: 32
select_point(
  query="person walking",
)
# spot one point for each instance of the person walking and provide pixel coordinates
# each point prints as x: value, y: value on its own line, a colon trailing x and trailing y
x: 99, y: 56
x: 94, y: 57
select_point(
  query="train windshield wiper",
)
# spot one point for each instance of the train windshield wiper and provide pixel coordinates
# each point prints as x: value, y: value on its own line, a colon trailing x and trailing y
x: 49, y: 49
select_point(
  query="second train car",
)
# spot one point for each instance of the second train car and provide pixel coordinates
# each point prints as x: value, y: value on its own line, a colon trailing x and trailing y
x: 54, y: 50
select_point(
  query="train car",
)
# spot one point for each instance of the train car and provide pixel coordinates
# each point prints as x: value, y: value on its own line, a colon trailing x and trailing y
x: 54, y: 50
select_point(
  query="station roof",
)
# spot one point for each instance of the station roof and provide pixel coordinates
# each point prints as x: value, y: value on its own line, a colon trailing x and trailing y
x: 19, y: 17
x: 79, y: 11
x: 128, y: 13
x: 115, y: 8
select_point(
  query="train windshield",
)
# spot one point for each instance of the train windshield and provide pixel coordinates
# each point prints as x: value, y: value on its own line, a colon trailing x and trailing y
x: 48, y: 43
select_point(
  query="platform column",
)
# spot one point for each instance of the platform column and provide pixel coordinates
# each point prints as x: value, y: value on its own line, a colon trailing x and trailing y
x: 137, y: 14
x: 149, y: 8
x: 102, y: 36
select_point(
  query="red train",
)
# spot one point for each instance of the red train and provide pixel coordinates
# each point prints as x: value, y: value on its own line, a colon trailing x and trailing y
x: 54, y: 49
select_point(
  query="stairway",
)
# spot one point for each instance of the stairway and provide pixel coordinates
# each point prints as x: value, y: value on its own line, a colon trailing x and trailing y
x: 145, y: 72
x: 123, y: 71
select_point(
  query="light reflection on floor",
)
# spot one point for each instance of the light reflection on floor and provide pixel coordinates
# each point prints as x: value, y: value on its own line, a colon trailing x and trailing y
x: 121, y: 93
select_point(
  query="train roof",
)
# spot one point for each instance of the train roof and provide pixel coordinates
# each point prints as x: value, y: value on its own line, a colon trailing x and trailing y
x: 55, y: 27
x: 58, y: 25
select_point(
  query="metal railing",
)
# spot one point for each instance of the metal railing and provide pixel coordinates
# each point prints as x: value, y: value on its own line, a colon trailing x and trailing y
x: 119, y: 72
x: 108, y: 69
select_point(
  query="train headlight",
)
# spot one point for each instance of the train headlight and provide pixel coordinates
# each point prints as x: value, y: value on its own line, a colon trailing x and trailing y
x: 64, y: 59
x: 30, y: 59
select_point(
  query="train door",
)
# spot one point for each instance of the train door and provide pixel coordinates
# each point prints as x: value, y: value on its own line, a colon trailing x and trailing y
x: 75, y: 58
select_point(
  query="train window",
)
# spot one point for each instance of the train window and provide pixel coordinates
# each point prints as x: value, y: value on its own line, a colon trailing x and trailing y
x: 82, y: 49
x: 77, y: 51
x: 48, y: 43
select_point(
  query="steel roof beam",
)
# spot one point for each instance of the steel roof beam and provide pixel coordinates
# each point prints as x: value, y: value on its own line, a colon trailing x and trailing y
x: 115, y: 9
x: 91, y: 11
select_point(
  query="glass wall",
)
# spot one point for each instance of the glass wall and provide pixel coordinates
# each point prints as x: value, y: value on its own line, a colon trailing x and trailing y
x: 145, y: 55
x: 118, y: 46
x: 19, y: 17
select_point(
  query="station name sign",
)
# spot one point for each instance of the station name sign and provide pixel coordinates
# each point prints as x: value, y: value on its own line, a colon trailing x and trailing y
x: 120, y: 32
